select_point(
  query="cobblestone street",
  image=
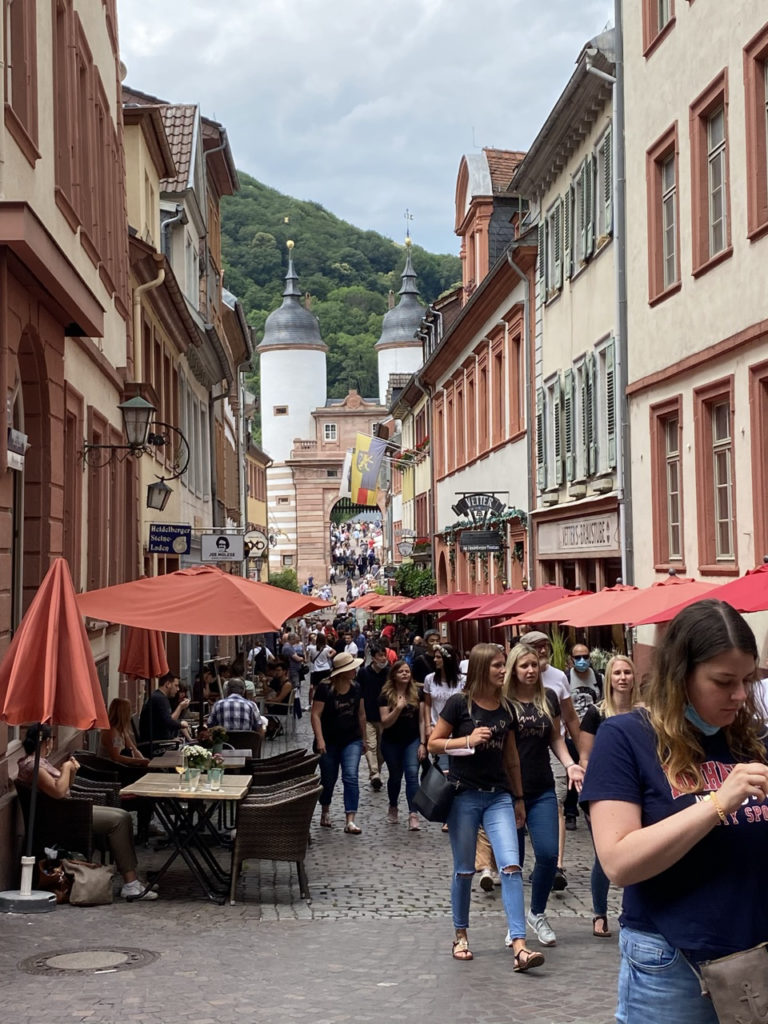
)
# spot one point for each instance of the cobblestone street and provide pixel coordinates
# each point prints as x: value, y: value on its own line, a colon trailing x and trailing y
x: 372, y: 945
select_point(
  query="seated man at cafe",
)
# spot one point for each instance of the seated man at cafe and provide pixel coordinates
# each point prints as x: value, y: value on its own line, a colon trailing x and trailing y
x: 236, y: 714
x: 157, y: 721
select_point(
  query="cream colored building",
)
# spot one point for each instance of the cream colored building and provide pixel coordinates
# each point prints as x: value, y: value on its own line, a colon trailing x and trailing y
x: 567, y: 178
x: 697, y: 225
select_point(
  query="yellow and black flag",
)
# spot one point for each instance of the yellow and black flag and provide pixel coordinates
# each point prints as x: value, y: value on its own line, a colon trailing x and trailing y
x: 366, y: 463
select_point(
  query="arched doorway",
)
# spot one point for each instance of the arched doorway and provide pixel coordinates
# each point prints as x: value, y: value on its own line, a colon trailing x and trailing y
x: 354, y: 535
x: 442, y: 574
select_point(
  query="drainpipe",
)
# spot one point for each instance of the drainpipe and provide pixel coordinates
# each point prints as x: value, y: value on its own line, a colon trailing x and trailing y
x: 528, y: 405
x: 180, y: 217
x: 212, y: 399
x: 624, y: 483
x: 137, y: 294
x: 427, y: 392
x: 243, y: 459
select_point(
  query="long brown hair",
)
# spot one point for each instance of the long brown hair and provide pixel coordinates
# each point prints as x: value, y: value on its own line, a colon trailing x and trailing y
x: 510, y: 680
x: 480, y: 658
x: 389, y: 689
x: 697, y: 634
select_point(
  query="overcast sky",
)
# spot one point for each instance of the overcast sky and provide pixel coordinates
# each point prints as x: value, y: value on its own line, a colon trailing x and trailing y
x: 365, y: 106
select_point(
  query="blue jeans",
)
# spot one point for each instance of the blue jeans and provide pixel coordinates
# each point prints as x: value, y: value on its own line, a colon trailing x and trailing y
x: 401, y: 760
x: 600, y: 883
x: 656, y: 983
x: 542, y: 821
x: 496, y: 813
x: 348, y: 758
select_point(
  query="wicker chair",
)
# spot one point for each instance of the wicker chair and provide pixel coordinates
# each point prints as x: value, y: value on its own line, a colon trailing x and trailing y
x: 278, y: 760
x: 245, y: 740
x: 275, y: 829
x: 67, y: 824
x: 285, y: 773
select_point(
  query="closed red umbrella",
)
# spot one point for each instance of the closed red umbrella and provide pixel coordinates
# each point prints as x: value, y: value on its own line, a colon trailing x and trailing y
x: 48, y: 675
x: 143, y: 653
x: 203, y: 600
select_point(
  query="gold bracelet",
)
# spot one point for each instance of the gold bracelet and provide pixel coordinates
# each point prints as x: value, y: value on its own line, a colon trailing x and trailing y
x: 718, y: 807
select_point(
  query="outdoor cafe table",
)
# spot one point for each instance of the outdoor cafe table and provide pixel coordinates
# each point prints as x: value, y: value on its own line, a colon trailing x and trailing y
x: 185, y: 816
x: 172, y: 758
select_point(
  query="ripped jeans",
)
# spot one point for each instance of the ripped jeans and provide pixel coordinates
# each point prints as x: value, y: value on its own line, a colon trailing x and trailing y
x: 496, y: 813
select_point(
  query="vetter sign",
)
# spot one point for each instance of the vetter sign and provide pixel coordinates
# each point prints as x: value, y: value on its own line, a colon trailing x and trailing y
x: 590, y: 535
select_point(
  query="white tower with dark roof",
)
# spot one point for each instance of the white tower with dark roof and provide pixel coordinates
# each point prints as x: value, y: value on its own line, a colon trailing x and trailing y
x: 398, y: 349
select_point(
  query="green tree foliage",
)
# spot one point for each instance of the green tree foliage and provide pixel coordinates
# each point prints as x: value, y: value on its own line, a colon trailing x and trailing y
x: 286, y: 579
x: 347, y: 272
x: 413, y: 581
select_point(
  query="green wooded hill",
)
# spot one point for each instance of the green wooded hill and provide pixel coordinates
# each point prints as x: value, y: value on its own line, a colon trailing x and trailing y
x: 348, y: 273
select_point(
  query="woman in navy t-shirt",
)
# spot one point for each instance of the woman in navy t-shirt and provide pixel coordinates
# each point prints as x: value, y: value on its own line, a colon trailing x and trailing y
x: 679, y: 804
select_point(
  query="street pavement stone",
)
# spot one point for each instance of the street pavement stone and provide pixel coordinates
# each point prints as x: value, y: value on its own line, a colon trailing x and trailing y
x: 372, y: 945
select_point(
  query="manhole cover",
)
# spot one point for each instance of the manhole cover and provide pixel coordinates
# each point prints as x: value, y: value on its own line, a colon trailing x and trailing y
x: 88, y: 961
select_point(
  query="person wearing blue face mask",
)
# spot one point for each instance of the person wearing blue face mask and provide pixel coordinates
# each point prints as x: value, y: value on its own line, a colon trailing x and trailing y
x: 586, y: 690
x: 678, y: 799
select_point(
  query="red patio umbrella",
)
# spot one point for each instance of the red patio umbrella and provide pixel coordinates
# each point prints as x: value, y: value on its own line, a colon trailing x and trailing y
x: 365, y: 601
x: 749, y: 593
x: 202, y: 600
x: 415, y: 606
x: 511, y: 600
x: 659, y: 597
x: 458, y: 600
x: 534, y: 610
x: 590, y: 607
x: 143, y: 653
x: 48, y: 675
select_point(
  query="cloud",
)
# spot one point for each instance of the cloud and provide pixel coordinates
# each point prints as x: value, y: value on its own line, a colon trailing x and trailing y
x: 365, y: 106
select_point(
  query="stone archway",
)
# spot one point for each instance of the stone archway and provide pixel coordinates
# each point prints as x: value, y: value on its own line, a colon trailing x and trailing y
x: 442, y: 574
x: 343, y: 510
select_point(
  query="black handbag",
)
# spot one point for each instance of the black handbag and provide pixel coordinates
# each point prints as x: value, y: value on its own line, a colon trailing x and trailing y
x: 434, y: 796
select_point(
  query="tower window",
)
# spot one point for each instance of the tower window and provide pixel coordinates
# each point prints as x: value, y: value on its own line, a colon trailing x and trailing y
x: 279, y: 410
x: 329, y: 432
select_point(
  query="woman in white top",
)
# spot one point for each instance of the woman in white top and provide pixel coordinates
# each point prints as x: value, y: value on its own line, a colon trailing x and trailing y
x: 438, y: 687
x: 321, y: 660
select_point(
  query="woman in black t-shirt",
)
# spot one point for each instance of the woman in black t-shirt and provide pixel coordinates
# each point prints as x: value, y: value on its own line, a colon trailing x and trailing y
x: 338, y: 722
x: 402, y: 739
x: 538, y: 732
x: 481, y: 723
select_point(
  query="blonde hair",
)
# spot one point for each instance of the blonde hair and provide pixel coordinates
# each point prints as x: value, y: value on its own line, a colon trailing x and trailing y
x: 697, y: 634
x: 389, y: 689
x: 119, y: 714
x: 510, y: 681
x: 607, y: 706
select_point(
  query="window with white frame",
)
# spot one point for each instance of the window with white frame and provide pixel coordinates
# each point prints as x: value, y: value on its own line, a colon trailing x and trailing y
x: 722, y: 466
x: 604, y: 188
x: 716, y: 179
x: 672, y: 471
x: 330, y: 432
x: 669, y: 220
x: 584, y: 213
x: 191, y: 270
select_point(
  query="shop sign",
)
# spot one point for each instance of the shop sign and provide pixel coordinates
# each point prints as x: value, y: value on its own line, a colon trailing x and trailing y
x: 405, y: 547
x: 170, y: 538
x: 222, y: 547
x: 480, y: 540
x: 17, y: 449
x: 580, y: 536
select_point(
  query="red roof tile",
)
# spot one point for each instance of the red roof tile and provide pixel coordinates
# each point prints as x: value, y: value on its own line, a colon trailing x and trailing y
x: 502, y: 164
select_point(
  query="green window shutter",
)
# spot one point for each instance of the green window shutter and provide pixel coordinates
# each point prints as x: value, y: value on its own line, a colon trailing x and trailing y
x: 610, y: 402
x: 541, y: 462
x: 568, y: 424
x: 581, y: 212
x: 589, y: 205
x: 568, y: 232
x: 557, y: 426
x: 558, y: 221
x: 542, y: 254
x: 607, y: 196
x: 589, y: 415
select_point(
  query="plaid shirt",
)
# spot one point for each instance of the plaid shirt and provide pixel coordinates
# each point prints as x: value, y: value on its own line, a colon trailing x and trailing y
x: 235, y: 714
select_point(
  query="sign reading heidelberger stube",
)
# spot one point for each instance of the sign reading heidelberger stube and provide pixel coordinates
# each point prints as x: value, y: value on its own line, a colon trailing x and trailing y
x: 479, y: 507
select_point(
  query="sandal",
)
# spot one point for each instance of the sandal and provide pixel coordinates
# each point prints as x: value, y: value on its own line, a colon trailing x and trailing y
x: 352, y: 829
x: 525, y: 959
x: 603, y: 932
x: 461, y: 950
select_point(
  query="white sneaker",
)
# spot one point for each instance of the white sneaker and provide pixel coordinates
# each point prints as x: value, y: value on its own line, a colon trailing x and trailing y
x: 541, y: 926
x: 486, y: 880
x: 133, y: 891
